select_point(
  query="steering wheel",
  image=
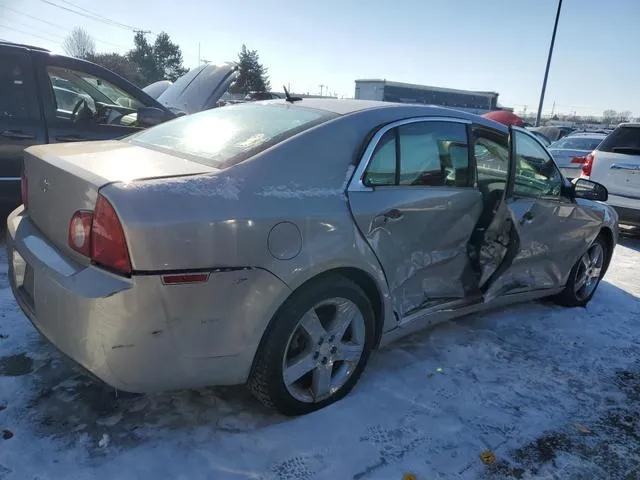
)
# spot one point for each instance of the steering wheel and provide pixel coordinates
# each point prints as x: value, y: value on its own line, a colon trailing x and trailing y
x: 81, y: 111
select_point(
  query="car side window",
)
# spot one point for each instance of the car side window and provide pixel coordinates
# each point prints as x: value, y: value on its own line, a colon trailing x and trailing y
x: 86, y: 93
x: 536, y: 172
x: 491, y: 152
x: 428, y: 153
x: 434, y: 154
x: 18, y: 96
x: 382, y: 168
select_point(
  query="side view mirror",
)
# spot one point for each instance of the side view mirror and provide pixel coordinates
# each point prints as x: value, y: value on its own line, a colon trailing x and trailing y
x: 587, y: 189
x: 150, y: 116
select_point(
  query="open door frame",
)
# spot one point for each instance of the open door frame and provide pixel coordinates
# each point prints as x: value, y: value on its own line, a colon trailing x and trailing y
x: 501, y: 242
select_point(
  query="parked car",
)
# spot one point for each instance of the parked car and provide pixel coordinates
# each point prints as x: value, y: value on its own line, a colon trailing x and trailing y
x: 46, y: 98
x: 278, y: 243
x: 258, y: 96
x: 553, y: 132
x: 570, y: 152
x: 543, y: 139
x: 616, y: 164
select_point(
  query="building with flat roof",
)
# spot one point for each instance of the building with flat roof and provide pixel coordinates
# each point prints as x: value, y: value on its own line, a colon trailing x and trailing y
x: 385, y: 90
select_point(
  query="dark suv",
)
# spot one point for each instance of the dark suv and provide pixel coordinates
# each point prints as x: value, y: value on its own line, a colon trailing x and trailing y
x: 48, y: 98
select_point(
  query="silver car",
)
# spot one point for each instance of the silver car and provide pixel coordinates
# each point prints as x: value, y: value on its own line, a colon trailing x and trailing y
x: 278, y: 243
x: 570, y: 152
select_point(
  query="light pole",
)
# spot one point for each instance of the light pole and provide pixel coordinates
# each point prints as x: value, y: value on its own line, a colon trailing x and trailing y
x: 546, y: 72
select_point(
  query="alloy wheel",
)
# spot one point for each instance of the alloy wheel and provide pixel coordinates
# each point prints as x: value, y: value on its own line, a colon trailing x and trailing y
x: 588, y: 271
x: 324, y: 350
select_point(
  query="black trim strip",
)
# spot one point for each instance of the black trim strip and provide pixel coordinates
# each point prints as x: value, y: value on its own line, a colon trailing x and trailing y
x: 396, y: 131
x: 187, y: 271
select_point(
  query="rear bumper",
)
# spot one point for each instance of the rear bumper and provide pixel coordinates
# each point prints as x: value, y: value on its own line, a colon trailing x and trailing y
x: 138, y: 334
x: 628, y: 209
x: 628, y: 216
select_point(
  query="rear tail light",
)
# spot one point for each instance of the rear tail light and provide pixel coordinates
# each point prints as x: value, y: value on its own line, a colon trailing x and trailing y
x: 580, y: 160
x: 108, y: 245
x: 587, y: 165
x: 80, y: 232
x: 99, y: 236
x: 24, y: 188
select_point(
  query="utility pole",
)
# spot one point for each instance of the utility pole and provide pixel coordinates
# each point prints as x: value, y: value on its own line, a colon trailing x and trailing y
x: 321, y: 87
x: 553, y: 108
x: 546, y: 72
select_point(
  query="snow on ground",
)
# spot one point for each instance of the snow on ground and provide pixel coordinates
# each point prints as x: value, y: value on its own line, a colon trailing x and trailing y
x: 553, y: 392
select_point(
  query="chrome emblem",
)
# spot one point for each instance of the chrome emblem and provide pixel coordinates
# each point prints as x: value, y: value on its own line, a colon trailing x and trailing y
x: 44, y: 184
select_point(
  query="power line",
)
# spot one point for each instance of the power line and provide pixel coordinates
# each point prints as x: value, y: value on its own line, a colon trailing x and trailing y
x: 35, y: 18
x: 60, y: 27
x: 31, y: 34
x: 97, y: 14
x: 92, y: 16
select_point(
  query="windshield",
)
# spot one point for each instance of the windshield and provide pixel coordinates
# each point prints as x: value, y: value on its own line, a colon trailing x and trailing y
x: 578, y: 143
x: 66, y: 82
x: 227, y: 135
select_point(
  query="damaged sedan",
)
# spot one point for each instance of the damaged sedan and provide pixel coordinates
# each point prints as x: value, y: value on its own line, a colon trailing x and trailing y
x: 279, y: 243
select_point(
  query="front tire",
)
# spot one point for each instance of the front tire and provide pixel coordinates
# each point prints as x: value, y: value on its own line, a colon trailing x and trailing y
x: 315, y: 348
x: 585, y: 275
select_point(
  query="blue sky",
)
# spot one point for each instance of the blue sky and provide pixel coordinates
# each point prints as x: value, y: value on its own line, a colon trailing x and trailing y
x: 498, y: 45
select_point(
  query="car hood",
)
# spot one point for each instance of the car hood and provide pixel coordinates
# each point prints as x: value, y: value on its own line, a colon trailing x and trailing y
x: 156, y: 89
x: 199, y: 89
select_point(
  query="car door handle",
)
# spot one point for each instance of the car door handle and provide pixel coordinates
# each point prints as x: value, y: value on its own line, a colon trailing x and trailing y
x: 625, y: 166
x: 526, y: 218
x: 17, y: 135
x: 393, y: 214
x: 70, y: 138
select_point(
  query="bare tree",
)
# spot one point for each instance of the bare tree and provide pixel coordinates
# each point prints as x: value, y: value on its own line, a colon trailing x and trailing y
x: 624, y: 116
x: 79, y: 44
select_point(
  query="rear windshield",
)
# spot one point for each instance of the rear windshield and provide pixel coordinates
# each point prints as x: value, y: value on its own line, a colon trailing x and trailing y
x: 622, y: 140
x: 577, y: 143
x: 223, y: 136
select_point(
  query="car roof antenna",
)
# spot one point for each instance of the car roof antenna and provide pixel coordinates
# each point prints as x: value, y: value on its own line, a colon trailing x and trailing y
x: 288, y: 96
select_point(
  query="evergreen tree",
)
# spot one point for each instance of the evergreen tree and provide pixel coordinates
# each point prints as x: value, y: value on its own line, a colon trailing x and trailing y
x: 160, y: 61
x: 168, y: 58
x: 252, y: 75
x: 142, y: 56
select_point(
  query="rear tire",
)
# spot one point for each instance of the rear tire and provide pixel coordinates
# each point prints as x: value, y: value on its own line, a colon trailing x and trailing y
x: 315, y: 348
x: 585, y: 275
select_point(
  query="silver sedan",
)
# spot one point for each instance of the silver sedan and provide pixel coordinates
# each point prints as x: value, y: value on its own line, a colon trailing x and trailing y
x: 278, y: 243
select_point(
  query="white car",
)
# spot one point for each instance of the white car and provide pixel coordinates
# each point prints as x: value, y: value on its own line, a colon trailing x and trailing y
x: 615, y: 163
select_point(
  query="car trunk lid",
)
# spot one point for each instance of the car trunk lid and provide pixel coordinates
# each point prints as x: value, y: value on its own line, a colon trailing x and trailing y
x: 564, y: 156
x: 65, y: 178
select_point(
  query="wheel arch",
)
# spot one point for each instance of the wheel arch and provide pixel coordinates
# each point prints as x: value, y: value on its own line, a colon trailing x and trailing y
x: 607, y: 235
x: 358, y: 276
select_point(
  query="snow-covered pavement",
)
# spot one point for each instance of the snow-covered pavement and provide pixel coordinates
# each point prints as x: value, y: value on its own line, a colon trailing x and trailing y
x: 553, y: 392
